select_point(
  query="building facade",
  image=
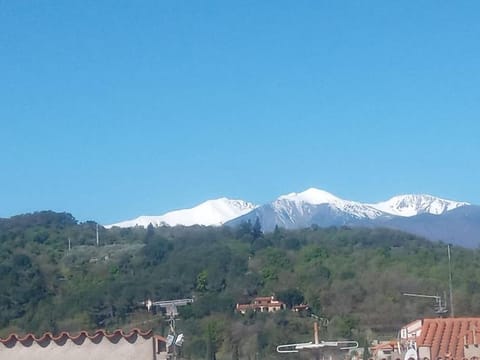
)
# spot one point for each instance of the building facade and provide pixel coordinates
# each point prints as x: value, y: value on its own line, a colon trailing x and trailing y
x: 434, y: 339
x: 262, y: 304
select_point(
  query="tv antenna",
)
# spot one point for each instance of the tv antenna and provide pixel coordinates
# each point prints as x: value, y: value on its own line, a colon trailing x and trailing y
x: 317, y: 345
x: 171, y: 311
x: 452, y: 314
x: 323, y: 321
x: 170, y: 306
x: 440, y: 306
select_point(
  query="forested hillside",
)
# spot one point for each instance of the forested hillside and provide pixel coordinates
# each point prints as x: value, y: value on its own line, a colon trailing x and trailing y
x: 353, y: 277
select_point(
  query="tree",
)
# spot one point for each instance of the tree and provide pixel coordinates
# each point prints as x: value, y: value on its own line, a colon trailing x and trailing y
x: 291, y: 297
x: 244, y: 230
x: 201, y: 284
x: 257, y: 229
x: 155, y: 249
x: 150, y: 232
x: 214, y: 339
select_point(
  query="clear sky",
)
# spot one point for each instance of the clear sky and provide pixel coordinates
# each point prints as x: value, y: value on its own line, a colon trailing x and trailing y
x: 114, y: 109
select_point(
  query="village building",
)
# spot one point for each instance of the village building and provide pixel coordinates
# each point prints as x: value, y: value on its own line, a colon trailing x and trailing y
x: 433, y: 339
x: 386, y: 350
x: 118, y: 345
x: 301, y: 308
x: 262, y: 304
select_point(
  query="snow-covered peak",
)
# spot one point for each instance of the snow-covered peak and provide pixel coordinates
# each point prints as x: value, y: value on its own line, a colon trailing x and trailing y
x: 411, y: 205
x: 211, y: 212
x: 302, y: 202
x: 312, y: 196
x: 299, y: 208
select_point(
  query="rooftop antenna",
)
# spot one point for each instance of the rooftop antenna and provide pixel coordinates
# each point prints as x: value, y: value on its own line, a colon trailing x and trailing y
x: 316, y: 346
x: 171, y: 310
x: 452, y: 313
x: 440, y: 307
x: 170, y: 306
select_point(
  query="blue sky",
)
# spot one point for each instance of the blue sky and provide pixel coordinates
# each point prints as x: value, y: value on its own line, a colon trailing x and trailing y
x: 114, y: 109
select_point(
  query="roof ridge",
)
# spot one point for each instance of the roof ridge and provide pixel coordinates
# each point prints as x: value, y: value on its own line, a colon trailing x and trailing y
x: 99, y: 332
x: 446, y: 337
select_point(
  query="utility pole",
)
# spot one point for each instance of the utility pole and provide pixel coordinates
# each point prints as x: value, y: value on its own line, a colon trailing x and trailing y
x: 452, y: 313
x: 97, y: 236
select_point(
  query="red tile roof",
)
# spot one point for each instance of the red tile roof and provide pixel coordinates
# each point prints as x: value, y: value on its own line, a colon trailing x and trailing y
x: 13, y: 338
x: 446, y: 337
x: 385, y: 345
x: 264, y: 298
x: 388, y: 345
x: 262, y: 302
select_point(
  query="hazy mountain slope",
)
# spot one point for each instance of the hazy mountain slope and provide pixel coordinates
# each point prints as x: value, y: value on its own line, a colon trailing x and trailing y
x: 460, y: 226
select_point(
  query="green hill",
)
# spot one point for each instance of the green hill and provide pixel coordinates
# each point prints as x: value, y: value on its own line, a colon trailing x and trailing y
x: 353, y: 277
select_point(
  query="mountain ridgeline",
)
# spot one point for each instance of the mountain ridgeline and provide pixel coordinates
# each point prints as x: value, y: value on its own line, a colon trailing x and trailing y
x: 54, y: 277
x: 425, y: 215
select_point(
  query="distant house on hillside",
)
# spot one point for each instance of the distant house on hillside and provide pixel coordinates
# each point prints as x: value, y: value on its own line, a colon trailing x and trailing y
x: 262, y: 304
x: 434, y: 339
x: 301, y: 308
x: 134, y: 345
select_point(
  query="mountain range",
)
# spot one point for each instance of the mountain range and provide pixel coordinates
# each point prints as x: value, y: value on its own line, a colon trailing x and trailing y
x: 455, y: 222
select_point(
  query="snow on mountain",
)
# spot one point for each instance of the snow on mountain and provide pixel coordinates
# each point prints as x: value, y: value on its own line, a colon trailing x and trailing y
x: 303, y: 209
x: 303, y: 201
x: 212, y: 212
x: 311, y: 196
x: 318, y: 207
x: 411, y: 205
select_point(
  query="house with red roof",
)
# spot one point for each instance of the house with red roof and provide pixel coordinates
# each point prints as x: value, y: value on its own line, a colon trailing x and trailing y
x: 386, y: 350
x: 434, y: 339
x: 262, y: 304
x: 118, y: 345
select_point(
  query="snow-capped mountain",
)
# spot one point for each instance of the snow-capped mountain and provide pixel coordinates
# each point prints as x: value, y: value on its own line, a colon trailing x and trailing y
x: 402, y: 205
x: 211, y: 212
x: 411, y: 205
x: 312, y: 206
x: 315, y: 197
x: 425, y: 215
x: 321, y: 208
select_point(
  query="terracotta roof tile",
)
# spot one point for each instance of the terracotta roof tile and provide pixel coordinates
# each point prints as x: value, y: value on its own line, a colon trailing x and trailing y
x: 49, y: 336
x: 385, y: 345
x: 446, y: 337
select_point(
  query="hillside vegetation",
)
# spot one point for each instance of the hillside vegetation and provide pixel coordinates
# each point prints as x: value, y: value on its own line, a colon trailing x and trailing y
x: 354, y: 277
